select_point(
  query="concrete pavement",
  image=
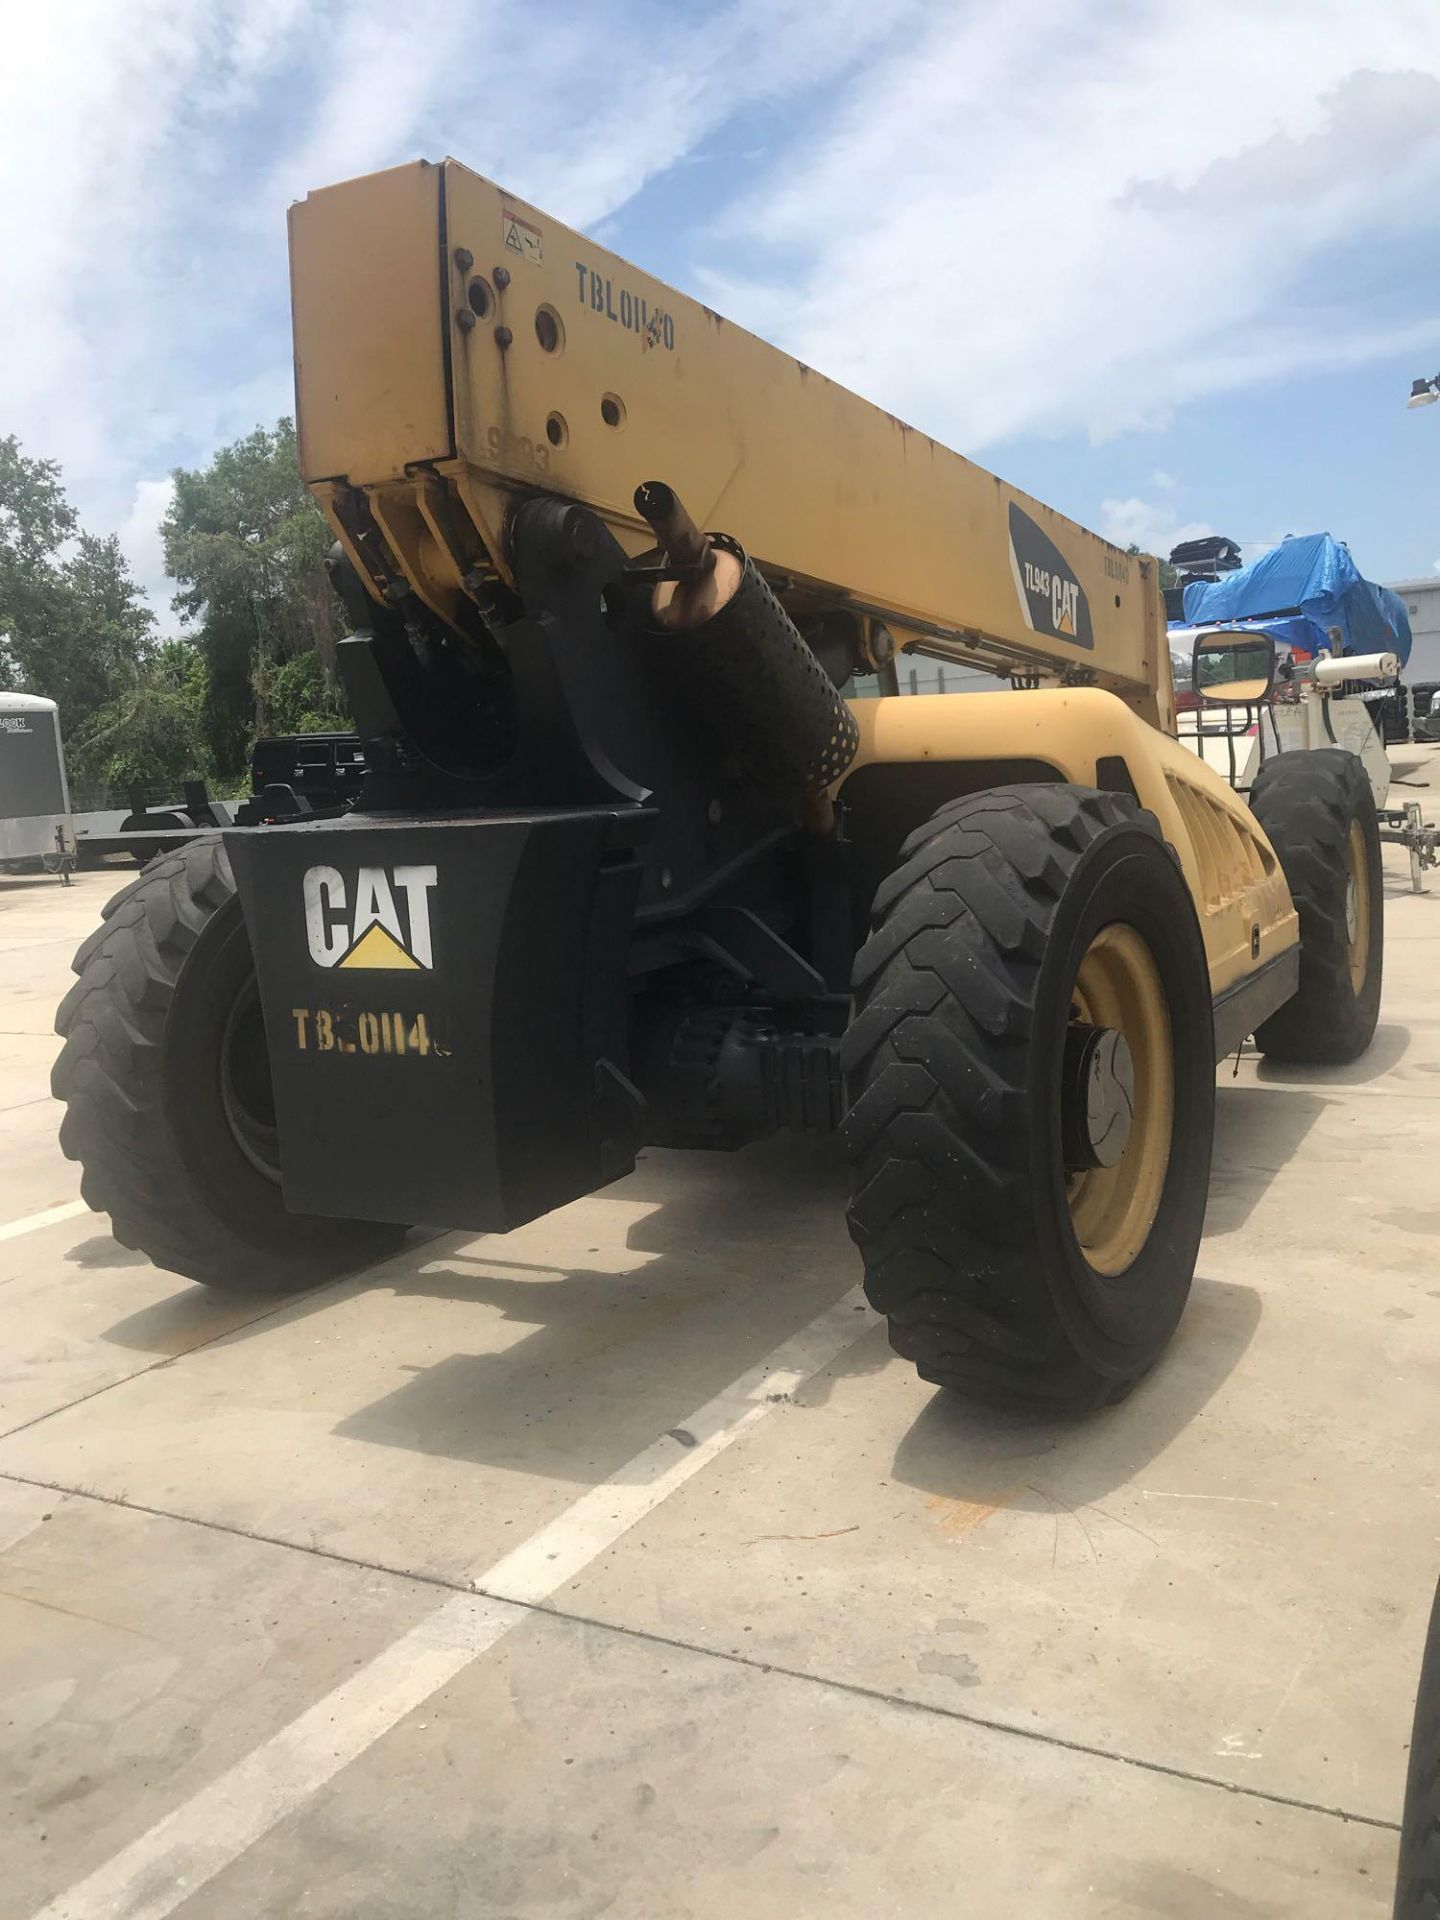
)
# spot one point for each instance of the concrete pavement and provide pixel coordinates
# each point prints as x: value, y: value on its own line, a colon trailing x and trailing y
x: 831, y: 1646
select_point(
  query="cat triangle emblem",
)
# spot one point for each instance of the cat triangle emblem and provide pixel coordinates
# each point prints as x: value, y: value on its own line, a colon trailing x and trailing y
x: 378, y: 949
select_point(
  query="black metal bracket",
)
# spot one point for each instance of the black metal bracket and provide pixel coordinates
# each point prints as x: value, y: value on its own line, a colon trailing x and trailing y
x: 648, y: 570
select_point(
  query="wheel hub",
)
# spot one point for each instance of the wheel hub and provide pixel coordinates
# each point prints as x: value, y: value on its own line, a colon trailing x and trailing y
x: 1352, y: 912
x: 1097, y: 1096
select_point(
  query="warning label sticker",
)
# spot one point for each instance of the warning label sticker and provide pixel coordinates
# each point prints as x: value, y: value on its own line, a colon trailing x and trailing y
x: 518, y: 236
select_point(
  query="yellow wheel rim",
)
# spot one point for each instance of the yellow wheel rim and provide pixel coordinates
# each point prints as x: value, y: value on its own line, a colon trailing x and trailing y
x: 1357, y: 906
x: 1112, y: 1209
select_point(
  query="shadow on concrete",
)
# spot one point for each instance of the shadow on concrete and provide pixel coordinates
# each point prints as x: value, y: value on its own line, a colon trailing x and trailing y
x: 737, y: 1254
x: 581, y: 1366
x: 1258, y: 1130
x: 574, y: 1367
x: 195, y: 1316
x: 1397, y: 884
x: 1385, y: 1051
x: 102, y: 1251
x: 981, y: 1458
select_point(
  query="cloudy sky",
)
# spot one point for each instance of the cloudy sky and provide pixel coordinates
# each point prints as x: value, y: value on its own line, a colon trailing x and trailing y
x: 1169, y: 264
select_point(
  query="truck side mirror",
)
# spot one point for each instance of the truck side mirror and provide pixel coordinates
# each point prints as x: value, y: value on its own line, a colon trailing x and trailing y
x: 1233, y: 669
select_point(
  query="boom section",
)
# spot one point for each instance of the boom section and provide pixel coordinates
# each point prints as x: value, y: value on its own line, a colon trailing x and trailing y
x: 455, y: 346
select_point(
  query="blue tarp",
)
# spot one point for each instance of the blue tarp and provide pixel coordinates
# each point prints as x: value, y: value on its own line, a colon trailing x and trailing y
x: 1310, y: 586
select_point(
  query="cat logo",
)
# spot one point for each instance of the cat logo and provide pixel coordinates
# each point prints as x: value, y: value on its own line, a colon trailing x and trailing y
x: 364, y: 929
x: 1052, y: 599
x: 1064, y: 597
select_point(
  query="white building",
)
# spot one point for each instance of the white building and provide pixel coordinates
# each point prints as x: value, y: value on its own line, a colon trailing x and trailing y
x: 1422, y: 603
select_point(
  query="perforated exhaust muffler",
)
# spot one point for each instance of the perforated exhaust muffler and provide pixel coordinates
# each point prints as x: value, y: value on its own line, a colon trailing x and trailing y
x: 732, y: 657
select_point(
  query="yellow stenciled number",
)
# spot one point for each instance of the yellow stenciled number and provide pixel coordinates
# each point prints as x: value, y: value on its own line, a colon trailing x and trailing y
x: 396, y: 1033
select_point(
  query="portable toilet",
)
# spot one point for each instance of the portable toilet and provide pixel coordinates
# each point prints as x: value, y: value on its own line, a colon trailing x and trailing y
x: 35, y: 823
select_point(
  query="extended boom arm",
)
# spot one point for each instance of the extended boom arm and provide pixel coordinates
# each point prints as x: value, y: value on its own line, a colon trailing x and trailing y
x: 456, y: 348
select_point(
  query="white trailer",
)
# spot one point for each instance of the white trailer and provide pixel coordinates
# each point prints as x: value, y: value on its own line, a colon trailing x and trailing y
x: 36, y: 827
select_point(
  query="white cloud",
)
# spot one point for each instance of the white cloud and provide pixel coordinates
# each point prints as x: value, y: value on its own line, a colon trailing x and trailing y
x: 140, y: 542
x: 1056, y: 217
x: 1050, y: 216
x: 113, y: 230
x: 575, y: 111
x: 1152, y: 526
x: 148, y: 150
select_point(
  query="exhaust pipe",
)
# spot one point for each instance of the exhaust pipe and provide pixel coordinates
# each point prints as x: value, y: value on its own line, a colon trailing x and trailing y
x: 737, y: 663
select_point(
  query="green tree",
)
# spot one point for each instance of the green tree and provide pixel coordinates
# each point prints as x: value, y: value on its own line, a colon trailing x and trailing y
x: 109, y: 630
x: 1168, y: 576
x: 35, y: 521
x: 153, y: 736
x: 35, y: 517
x: 73, y: 624
x: 298, y: 696
x: 247, y: 545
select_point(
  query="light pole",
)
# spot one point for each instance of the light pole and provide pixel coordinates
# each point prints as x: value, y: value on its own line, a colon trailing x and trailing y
x: 1424, y: 393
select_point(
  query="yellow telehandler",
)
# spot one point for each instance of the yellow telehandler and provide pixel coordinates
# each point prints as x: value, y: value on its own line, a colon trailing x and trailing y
x: 651, y: 851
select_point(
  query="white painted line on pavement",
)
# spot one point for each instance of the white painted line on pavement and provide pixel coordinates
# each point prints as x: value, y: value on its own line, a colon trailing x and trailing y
x: 559, y: 1551
x: 182, y: 1852
x: 32, y: 1222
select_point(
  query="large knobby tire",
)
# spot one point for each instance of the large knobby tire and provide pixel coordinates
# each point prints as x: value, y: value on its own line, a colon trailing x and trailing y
x: 1417, y: 1881
x: 166, y: 1084
x: 1017, y: 913
x: 1318, y: 812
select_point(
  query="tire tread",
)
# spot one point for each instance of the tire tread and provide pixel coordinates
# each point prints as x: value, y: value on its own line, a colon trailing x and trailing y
x: 110, y: 1076
x: 1417, y: 1886
x: 1307, y: 802
x: 936, y: 1062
